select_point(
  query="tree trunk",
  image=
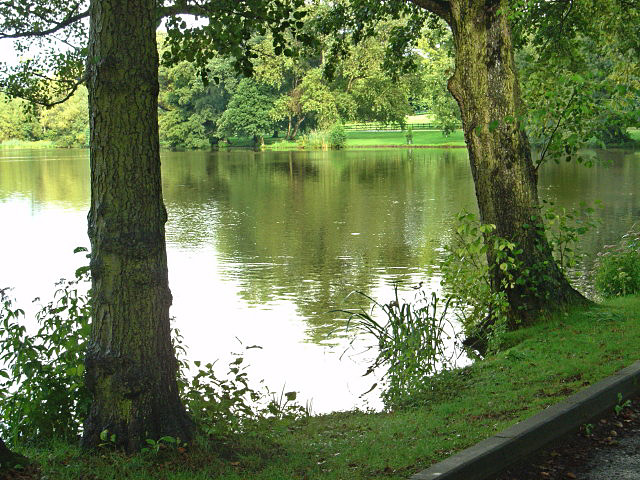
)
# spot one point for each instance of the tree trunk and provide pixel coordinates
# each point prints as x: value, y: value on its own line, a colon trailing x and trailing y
x: 485, y: 85
x: 130, y: 365
x: 297, y: 127
x: 9, y: 459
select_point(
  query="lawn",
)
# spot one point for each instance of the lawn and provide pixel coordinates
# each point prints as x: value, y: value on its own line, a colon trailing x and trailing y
x: 422, y: 138
x: 538, y: 366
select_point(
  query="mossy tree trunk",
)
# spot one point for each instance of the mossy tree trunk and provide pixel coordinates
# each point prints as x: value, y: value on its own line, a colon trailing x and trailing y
x: 485, y: 85
x: 130, y: 364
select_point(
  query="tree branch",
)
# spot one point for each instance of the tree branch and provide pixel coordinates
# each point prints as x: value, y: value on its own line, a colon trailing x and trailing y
x: 41, y: 33
x: 442, y: 8
x: 558, y: 123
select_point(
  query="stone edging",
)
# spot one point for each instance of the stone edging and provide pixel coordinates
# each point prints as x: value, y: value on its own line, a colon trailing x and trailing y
x: 495, y: 454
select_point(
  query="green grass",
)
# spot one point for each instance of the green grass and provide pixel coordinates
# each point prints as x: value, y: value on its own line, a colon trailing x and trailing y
x: 359, y: 139
x: 634, y: 133
x: 430, y: 138
x: 539, y: 366
x: 27, y: 144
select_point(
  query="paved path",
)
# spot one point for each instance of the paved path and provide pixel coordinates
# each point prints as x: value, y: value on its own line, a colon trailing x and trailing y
x: 621, y: 462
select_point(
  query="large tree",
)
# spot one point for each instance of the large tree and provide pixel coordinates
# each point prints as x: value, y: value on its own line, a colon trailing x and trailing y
x: 130, y: 364
x: 485, y: 86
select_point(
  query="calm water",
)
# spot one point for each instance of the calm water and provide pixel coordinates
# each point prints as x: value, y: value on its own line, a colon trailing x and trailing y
x: 262, y: 246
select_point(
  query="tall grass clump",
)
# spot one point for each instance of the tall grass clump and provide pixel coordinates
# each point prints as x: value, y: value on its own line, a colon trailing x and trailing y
x: 414, y: 340
x: 618, y: 266
x: 14, y: 143
x: 314, y: 140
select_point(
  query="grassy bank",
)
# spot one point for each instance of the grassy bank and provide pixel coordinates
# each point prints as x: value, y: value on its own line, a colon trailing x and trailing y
x: 366, y: 139
x: 426, y: 138
x: 25, y: 144
x: 538, y: 366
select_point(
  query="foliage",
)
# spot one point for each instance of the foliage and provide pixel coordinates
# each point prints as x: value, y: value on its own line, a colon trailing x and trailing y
x: 337, y: 136
x: 414, y: 342
x: 42, y: 393
x: 47, y: 368
x: 618, y: 266
x: 16, y: 122
x: 481, y: 309
x: 545, y: 363
x: 190, y: 111
x: 588, y: 92
x: 565, y: 228
x: 67, y: 124
x: 224, y: 407
x: 438, y: 49
x: 248, y: 112
x: 314, y: 140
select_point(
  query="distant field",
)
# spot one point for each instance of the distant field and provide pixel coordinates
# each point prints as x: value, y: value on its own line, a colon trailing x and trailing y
x: 423, y: 118
x: 420, y: 138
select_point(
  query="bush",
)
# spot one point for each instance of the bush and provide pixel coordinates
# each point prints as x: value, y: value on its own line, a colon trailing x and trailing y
x: 42, y: 389
x: 42, y: 392
x: 618, y: 266
x: 337, y: 136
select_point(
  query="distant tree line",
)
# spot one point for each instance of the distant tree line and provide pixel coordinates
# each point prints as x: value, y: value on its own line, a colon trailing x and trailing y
x: 292, y: 94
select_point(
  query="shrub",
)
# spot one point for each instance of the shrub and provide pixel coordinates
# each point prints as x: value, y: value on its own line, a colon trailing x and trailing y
x: 42, y: 392
x: 42, y: 389
x: 618, y: 266
x: 337, y: 136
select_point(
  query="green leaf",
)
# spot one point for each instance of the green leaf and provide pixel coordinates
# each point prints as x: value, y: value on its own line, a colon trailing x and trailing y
x: 291, y: 396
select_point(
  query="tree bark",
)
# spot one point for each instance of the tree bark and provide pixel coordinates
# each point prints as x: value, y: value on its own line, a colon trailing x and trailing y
x: 130, y: 364
x: 485, y: 85
x: 9, y: 459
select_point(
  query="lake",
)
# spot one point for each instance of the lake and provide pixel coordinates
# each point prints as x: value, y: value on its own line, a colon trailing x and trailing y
x: 263, y: 246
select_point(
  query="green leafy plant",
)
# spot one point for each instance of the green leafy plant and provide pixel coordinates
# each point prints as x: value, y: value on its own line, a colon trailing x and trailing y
x: 223, y: 407
x: 618, y: 266
x: 47, y: 369
x: 565, y: 227
x: 481, y: 310
x: 163, y: 443
x: 42, y: 392
x: 414, y: 342
x: 314, y: 140
x: 619, y: 408
x: 337, y: 136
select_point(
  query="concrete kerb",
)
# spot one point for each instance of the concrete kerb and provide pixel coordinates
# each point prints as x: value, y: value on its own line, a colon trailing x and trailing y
x: 495, y: 454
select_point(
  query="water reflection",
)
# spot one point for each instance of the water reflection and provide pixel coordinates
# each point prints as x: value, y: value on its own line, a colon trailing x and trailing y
x: 262, y: 246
